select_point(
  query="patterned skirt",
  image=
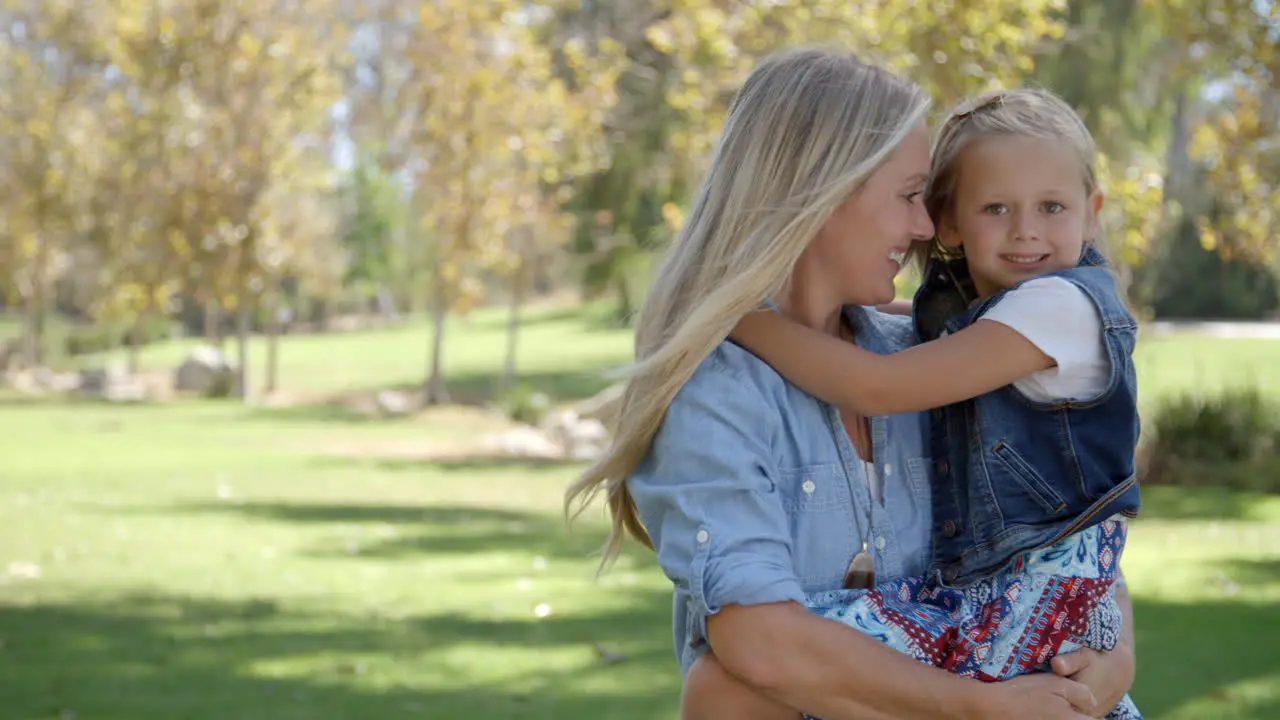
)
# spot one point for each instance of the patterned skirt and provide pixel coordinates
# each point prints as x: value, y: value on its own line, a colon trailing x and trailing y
x: 1047, y: 602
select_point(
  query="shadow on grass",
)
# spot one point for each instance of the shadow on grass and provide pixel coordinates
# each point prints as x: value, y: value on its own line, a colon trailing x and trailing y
x: 1193, y: 651
x: 151, y: 656
x: 565, y: 386
x: 13, y: 399
x: 528, y: 318
x: 160, y: 656
x: 431, y: 530
x: 470, y: 389
x: 1254, y: 572
x: 465, y: 463
x: 329, y: 411
x: 594, y: 315
x: 1165, y: 502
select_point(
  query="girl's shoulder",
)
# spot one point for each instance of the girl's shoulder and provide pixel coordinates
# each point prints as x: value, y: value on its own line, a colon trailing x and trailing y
x: 1100, y: 286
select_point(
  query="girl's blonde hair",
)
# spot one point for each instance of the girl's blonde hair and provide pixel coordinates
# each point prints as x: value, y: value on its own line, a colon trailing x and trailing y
x: 804, y: 132
x: 1023, y: 112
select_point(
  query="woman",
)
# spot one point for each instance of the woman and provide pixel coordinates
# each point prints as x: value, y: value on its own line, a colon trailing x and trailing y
x: 753, y: 492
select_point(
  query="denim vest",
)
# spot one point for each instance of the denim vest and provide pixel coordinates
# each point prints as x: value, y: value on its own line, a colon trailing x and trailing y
x: 1012, y: 474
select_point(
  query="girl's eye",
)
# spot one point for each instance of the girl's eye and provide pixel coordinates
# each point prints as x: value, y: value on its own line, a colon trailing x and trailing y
x: 995, y: 209
x: 1053, y: 208
x: 911, y: 196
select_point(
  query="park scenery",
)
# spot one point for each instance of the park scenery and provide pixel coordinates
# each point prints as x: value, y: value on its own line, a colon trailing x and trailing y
x: 310, y: 312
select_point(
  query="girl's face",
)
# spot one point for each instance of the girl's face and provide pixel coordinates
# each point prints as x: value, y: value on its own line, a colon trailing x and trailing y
x: 860, y: 249
x: 1021, y: 210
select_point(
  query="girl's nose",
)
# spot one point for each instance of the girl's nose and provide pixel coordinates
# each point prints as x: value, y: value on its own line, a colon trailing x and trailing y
x: 1025, y: 227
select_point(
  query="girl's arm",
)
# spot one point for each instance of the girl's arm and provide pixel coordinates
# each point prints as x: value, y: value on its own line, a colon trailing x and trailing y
x: 896, y: 307
x: 983, y: 357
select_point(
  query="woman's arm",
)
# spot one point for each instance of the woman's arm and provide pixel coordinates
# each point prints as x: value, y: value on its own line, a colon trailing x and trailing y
x: 829, y: 670
x: 983, y: 357
x: 707, y: 495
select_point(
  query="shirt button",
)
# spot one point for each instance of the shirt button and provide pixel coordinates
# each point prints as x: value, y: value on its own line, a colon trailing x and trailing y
x: 880, y: 543
x: 949, y: 529
x: 888, y: 470
x: 808, y: 487
x: 703, y: 537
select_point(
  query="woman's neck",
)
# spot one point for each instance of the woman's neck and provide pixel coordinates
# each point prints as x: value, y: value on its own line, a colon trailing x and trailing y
x: 803, y: 308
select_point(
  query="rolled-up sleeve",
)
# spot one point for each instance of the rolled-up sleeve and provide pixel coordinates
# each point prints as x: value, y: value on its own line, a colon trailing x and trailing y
x: 706, y: 493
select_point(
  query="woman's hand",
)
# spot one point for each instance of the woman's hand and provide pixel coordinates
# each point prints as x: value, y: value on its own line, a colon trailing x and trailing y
x: 1043, y: 696
x: 1109, y: 675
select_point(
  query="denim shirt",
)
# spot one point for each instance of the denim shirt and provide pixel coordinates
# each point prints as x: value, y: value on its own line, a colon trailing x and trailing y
x: 753, y: 493
x: 1012, y: 474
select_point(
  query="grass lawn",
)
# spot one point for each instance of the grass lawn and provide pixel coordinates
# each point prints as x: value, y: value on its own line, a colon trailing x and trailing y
x: 212, y: 561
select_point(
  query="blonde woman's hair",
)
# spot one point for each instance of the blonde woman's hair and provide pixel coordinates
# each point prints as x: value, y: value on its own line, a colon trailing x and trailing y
x: 1024, y: 112
x: 804, y: 132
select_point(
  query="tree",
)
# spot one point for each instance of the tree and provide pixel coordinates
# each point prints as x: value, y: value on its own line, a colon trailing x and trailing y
x: 686, y: 59
x: 46, y: 50
x: 298, y: 236
x: 262, y: 80
x: 385, y: 96
x: 490, y: 153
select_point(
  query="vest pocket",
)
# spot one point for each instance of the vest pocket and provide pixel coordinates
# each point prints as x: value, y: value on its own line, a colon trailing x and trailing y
x: 1029, y: 479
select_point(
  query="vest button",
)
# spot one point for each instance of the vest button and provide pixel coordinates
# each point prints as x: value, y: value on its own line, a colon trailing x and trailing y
x: 942, y: 467
x: 949, y: 529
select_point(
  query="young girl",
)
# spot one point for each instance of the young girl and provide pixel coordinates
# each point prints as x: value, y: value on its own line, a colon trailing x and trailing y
x: 1033, y: 441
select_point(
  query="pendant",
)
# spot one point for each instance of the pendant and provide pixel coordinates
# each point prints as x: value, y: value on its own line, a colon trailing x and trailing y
x: 861, y: 574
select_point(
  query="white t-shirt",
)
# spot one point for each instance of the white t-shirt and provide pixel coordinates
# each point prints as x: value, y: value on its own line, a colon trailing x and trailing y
x: 1057, y: 317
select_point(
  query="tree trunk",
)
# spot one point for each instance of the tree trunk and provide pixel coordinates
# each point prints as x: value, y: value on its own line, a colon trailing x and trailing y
x: 213, y: 322
x: 273, y: 338
x: 387, y: 303
x: 1177, y: 184
x: 625, y: 310
x: 519, y: 284
x: 33, y: 346
x: 244, y: 321
x: 434, y: 392
x: 135, y: 343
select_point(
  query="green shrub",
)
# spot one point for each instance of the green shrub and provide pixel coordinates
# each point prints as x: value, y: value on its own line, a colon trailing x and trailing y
x: 1190, y: 282
x: 1230, y: 439
x: 524, y: 404
x: 102, y: 337
x: 223, y: 386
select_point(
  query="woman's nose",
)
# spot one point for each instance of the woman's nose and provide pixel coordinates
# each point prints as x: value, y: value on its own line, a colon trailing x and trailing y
x: 922, y: 226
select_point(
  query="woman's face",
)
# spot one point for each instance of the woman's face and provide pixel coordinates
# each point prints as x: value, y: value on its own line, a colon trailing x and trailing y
x: 860, y: 249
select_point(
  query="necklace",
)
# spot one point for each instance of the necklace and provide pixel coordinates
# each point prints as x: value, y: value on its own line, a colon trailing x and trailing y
x: 861, y: 573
